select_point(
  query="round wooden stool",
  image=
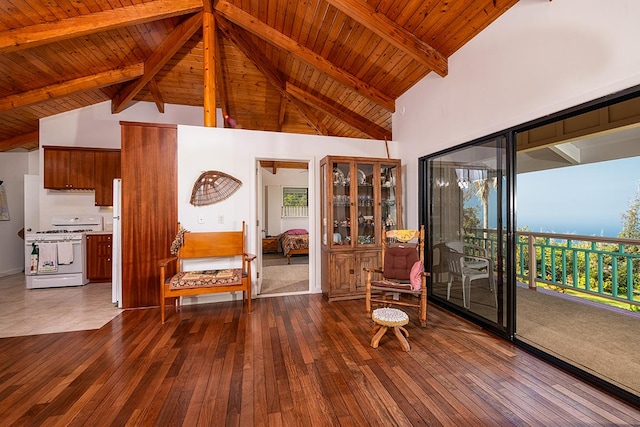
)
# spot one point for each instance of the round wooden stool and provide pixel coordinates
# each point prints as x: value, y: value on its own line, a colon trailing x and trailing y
x: 386, y: 318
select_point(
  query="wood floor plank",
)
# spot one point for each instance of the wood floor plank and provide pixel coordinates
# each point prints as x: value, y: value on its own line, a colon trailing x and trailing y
x: 295, y: 360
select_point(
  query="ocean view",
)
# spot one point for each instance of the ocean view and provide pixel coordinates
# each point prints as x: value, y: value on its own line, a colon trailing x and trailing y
x: 608, y: 230
x: 587, y: 200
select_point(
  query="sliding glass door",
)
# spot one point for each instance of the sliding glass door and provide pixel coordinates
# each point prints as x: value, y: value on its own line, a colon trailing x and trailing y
x: 464, y: 207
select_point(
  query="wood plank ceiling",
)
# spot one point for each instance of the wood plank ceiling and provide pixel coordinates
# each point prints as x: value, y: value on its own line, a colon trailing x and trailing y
x: 330, y: 67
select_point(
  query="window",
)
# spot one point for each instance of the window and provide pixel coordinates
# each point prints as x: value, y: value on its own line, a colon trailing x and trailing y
x: 295, y: 202
x: 292, y: 196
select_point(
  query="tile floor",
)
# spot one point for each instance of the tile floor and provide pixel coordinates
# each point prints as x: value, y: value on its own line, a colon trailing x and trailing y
x: 45, y: 311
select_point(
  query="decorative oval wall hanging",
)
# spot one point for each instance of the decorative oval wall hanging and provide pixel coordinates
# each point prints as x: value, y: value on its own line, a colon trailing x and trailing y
x: 212, y: 187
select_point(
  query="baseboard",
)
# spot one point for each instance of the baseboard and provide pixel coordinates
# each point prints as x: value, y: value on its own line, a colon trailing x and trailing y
x: 11, y: 272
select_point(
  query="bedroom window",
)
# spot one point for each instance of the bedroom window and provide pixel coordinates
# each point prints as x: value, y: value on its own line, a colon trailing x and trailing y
x: 295, y: 202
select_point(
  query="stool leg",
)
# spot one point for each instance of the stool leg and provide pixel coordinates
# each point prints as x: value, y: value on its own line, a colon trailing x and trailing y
x: 404, y: 331
x: 376, y: 338
x: 403, y: 341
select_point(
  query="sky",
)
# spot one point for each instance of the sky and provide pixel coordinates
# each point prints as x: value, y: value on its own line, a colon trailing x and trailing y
x: 585, y: 199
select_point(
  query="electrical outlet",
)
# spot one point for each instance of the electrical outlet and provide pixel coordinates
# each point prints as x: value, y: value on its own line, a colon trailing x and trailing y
x: 201, y: 219
x: 220, y: 219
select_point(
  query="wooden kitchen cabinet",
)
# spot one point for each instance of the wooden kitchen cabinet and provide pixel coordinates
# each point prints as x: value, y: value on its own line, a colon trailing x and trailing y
x: 359, y: 196
x: 99, y: 262
x: 107, y: 168
x: 68, y: 168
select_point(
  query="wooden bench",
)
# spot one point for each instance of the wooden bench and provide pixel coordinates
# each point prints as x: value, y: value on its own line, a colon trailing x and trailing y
x: 214, y: 246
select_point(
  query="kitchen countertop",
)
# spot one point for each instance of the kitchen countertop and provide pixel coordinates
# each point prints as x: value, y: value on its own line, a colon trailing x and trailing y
x: 89, y: 233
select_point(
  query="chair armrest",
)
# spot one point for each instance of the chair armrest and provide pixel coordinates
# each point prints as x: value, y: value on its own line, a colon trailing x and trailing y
x: 250, y: 257
x: 165, y: 261
x: 373, y: 270
x: 476, y: 249
x: 480, y: 258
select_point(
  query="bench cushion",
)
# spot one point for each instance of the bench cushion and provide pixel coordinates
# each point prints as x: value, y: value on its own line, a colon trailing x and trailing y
x: 206, y: 278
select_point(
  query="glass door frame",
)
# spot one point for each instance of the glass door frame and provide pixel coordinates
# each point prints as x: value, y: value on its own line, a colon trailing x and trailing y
x: 506, y: 229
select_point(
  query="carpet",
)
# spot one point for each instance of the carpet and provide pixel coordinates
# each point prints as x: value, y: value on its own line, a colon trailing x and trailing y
x: 278, y: 279
x: 269, y: 260
x: 600, y: 340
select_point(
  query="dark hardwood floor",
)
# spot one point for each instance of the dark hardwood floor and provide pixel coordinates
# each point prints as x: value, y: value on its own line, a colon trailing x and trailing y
x: 295, y: 360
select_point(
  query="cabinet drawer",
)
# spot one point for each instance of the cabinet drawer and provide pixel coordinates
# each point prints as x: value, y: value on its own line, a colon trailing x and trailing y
x: 269, y: 244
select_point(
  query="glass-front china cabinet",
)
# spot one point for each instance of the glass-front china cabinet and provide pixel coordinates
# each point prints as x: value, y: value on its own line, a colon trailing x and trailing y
x: 359, y: 196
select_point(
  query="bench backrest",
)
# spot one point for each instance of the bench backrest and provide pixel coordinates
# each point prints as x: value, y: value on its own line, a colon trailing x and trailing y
x: 212, y: 244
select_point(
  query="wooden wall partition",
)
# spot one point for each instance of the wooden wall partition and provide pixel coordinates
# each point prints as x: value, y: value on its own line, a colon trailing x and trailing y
x: 149, y: 208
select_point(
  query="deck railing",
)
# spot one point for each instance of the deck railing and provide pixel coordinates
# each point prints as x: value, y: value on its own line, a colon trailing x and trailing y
x: 602, y: 266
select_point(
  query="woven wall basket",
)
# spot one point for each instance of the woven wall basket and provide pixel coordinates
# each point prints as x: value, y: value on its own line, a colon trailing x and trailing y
x: 213, y: 187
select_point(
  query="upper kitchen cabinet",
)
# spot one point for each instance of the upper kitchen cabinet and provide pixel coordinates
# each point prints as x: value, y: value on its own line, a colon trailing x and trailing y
x: 69, y: 168
x: 107, y: 168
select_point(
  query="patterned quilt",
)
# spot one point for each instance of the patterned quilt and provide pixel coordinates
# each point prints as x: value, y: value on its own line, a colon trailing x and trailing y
x: 293, y: 241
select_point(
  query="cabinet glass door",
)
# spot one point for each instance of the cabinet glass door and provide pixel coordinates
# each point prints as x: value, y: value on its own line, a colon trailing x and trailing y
x: 341, y: 205
x: 388, y: 196
x: 367, y: 221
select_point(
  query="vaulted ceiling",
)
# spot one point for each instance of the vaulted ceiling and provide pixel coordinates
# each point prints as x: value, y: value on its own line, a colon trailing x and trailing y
x: 329, y: 67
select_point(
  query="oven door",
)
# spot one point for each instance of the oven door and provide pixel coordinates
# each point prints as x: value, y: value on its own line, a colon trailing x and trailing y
x: 60, y: 262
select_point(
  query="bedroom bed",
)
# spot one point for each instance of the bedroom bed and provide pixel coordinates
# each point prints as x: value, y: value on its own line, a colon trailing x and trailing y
x: 294, y: 242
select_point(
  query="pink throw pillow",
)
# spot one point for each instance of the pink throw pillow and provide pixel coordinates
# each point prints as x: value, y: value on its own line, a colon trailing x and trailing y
x: 415, y: 277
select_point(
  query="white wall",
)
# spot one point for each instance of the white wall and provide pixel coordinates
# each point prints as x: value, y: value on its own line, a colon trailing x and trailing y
x: 538, y: 58
x: 96, y: 127
x: 13, y: 167
x: 237, y: 152
x: 273, y: 222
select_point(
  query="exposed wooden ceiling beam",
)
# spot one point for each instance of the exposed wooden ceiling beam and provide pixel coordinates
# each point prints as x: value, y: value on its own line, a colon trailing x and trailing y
x: 19, y: 140
x: 36, y: 35
x: 355, y: 121
x: 281, y: 112
x: 81, y: 84
x: 209, y: 60
x: 240, y: 39
x: 156, y: 94
x: 362, y: 12
x: 170, y: 45
x: 274, y: 165
x: 276, y: 38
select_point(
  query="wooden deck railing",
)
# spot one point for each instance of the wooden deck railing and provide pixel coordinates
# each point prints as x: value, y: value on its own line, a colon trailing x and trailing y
x: 607, y: 267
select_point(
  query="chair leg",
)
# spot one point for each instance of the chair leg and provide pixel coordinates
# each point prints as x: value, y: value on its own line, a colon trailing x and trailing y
x: 401, y: 339
x: 466, y: 296
x: 494, y: 288
x: 367, y: 303
x: 376, y: 338
x: 423, y: 305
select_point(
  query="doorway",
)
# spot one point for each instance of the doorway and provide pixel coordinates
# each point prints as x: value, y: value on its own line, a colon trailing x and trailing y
x: 284, y: 211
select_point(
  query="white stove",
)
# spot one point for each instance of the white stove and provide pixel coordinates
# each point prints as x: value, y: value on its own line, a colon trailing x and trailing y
x: 57, y: 257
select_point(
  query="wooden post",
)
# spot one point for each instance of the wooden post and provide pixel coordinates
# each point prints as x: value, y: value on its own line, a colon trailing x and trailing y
x: 209, y: 64
x: 532, y: 262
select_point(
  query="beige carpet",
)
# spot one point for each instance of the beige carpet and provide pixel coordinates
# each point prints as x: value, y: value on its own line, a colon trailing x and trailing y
x: 600, y: 340
x: 279, y: 279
